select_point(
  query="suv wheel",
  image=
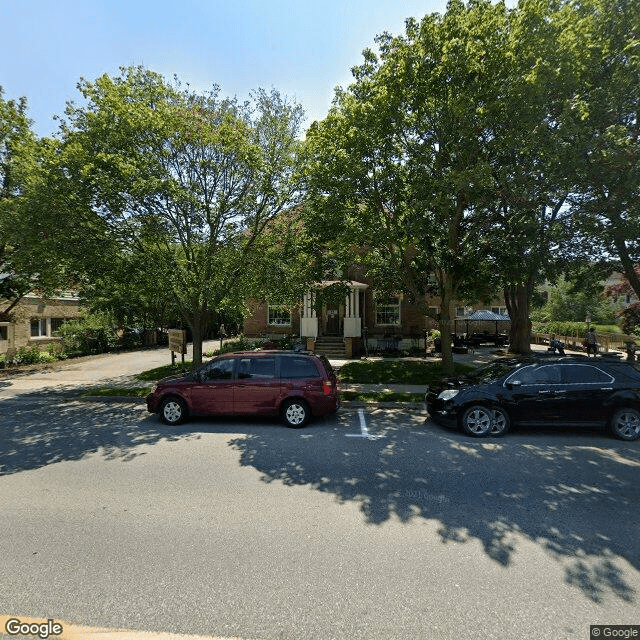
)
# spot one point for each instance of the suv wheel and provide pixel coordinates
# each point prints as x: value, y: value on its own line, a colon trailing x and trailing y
x: 173, y: 411
x: 477, y: 420
x: 625, y: 424
x: 499, y: 422
x: 295, y: 413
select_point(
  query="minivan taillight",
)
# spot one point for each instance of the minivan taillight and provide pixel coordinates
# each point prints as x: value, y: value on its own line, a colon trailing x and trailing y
x: 328, y: 388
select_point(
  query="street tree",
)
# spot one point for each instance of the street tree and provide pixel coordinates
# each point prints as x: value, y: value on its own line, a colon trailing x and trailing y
x: 605, y: 202
x: 181, y: 182
x: 399, y: 169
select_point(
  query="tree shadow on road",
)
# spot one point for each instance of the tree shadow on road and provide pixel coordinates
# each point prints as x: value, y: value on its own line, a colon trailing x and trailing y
x: 573, y: 494
x: 576, y: 497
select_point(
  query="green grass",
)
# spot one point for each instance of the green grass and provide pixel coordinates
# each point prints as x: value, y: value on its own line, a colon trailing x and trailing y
x: 381, y: 396
x: 151, y: 375
x: 396, y: 372
x: 135, y: 392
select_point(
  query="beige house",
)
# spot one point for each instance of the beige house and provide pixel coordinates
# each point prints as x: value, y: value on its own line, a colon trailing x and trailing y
x: 35, y: 321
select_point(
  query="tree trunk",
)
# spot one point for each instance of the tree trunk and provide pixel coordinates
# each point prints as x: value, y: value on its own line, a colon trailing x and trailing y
x: 446, y: 304
x: 197, y: 324
x: 517, y: 299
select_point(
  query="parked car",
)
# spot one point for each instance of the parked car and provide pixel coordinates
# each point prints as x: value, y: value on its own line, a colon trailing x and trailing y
x: 562, y: 391
x: 292, y: 385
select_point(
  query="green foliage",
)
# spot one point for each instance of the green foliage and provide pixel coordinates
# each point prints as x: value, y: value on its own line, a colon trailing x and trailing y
x: 32, y: 355
x: 561, y: 328
x: 630, y: 319
x: 152, y: 375
x: 574, y: 302
x: 396, y: 372
x: 95, y: 333
x: 241, y: 343
x: 175, y: 189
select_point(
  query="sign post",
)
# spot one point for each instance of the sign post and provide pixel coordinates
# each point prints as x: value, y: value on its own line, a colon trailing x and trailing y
x: 177, y: 344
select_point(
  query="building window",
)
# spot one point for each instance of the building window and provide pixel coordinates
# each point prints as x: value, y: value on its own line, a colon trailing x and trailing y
x: 388, y: 311
x: 56, y: 323
x: 460, y: 312
x: 38, y: 327
x: 279, y: 316
x: 501, y: 310
x: 45, y: 327
x: 4, y: 333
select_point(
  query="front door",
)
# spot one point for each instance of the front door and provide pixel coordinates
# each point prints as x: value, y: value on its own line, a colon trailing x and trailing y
x: 333, y: 320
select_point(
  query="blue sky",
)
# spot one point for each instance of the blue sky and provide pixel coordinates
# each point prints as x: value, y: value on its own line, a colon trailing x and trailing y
x: 304, y: 49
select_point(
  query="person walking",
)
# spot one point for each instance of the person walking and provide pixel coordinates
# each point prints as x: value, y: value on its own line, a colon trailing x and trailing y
x: 591, y: 342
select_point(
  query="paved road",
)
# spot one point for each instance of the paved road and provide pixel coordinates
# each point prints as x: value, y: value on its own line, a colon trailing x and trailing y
x: 245, y: 528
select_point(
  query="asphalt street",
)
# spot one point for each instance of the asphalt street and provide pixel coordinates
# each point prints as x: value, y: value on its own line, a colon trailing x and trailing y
x: 366, y: 525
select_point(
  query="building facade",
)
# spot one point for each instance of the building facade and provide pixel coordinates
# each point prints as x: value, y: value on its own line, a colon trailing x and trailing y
x: 35, y: 321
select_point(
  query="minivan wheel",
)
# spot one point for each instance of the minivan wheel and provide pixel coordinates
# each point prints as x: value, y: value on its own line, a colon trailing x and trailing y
x: 173, y: 411
x: 477, y: 421
x: 295, y: 413
x: 625, y: 424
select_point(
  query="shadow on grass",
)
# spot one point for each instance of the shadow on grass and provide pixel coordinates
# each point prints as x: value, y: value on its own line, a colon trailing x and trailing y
x: 573, y: 494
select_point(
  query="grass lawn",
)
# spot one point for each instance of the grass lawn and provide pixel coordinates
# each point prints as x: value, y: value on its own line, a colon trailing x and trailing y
x: 381, y: 396
x: 152, y: 375
x: 396, y: 372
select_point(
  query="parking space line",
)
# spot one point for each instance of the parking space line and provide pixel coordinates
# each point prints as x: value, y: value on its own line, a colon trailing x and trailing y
x: 364, y: 431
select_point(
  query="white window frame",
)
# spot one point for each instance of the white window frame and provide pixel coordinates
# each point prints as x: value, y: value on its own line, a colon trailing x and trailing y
x: 398, y: 305
x: 501, y: 310
x: 278, y: 309
x: 44, y: 324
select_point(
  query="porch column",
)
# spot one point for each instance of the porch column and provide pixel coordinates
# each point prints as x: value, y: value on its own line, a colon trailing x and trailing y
x: 309, y: 319
x: 352, y: 323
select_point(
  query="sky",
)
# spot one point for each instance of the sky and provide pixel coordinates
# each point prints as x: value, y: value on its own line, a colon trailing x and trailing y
x: 303, y: 49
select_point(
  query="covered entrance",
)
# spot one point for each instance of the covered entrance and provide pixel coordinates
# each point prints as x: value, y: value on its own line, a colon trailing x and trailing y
x: 333, y: 319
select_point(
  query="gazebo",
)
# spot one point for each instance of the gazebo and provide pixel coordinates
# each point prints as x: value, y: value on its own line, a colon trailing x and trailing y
x: 485, y: 316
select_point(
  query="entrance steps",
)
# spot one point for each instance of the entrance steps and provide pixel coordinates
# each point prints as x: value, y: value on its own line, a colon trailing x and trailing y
x: 331, y: 346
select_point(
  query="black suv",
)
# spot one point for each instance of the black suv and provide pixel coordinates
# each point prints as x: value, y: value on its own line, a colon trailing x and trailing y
x: 567, y: 391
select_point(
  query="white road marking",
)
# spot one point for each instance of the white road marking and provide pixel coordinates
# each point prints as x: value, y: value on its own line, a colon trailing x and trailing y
x: 364, y: 432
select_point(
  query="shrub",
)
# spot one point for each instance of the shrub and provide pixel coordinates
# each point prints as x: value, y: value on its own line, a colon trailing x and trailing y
x: 32, y: 355
x: 241, y: 343
x: 91, y: 334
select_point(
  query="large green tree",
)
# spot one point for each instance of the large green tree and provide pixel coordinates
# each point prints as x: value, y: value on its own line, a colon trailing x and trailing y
x: 400, y: 167
x: 607, y: 108
x: 25, y: 264
x: 183, y: 183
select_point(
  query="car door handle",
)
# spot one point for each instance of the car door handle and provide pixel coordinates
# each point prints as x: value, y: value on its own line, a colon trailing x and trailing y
x: 606, y: 388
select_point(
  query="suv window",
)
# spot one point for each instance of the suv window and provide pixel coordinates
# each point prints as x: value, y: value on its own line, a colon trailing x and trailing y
x: 584, y: 374
x: 256, y: 368
x: 219, y: 370
x: 298, y: 367
x: 546, y: 374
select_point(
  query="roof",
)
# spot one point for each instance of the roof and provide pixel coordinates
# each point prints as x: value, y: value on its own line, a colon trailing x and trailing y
x: 488, y: 315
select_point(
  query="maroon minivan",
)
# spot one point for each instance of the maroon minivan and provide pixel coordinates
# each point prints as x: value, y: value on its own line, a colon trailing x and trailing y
x: 293, y: 385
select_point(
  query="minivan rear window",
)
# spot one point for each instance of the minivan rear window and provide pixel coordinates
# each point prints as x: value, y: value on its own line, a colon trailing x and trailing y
x: 292, y: 367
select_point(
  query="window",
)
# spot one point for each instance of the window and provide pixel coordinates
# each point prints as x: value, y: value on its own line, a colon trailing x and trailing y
x: 388, y: 311
x: 38, y: 327
x: 279, y: 316
x: 291, y: 367
x: 501, y: 310
x: 461, y: 312
x: 56, y: 323
x: 219, y: 370
x: 547, y: 374
x: 256, y: 368
x: 584, y: 374
x: 4, y: 333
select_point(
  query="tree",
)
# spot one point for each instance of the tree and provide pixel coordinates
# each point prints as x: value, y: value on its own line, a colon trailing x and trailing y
x: 399, y: 169
x: 18, y: 269
x: 605, y: 204
x: 183, y: 182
